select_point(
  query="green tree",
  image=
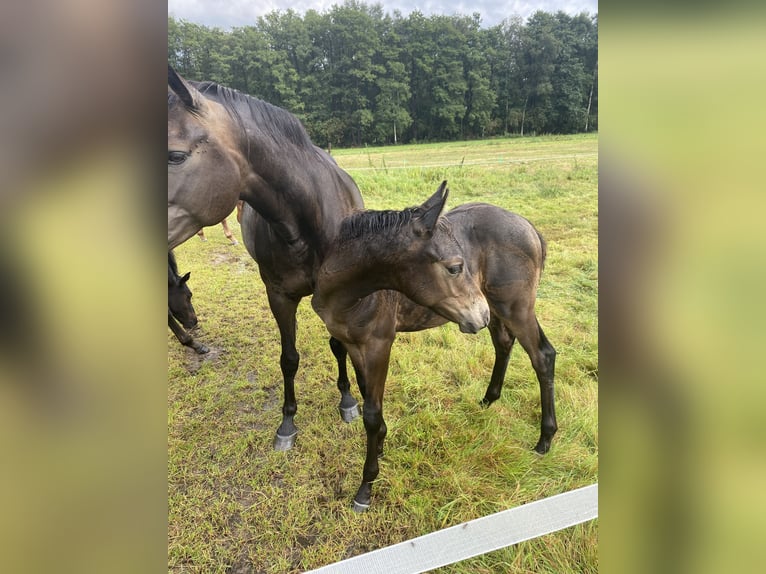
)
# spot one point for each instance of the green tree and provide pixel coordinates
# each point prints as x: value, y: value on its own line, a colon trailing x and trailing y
x: 353, y: 45
x: 391, y: 118
x: 354, y: 74
x: 479, y: 98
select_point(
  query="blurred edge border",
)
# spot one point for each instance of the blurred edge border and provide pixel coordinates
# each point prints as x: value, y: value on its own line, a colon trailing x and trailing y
x: 82, y: 360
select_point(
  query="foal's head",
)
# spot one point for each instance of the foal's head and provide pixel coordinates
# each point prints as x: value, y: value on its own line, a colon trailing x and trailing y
x: 205, y: 161
x: 415, y: 252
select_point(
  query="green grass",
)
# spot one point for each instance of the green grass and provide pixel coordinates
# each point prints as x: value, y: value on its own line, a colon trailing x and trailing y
x: 237, y: 506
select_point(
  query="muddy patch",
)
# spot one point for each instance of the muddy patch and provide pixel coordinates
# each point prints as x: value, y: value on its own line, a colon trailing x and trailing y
x: 194, y: 361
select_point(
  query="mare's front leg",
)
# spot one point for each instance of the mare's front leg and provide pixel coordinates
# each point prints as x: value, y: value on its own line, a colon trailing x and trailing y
x: 283, y: 308
x: 348, y: 407
x: 371, y: 367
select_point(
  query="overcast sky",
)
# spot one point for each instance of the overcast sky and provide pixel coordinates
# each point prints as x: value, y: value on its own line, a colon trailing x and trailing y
x: 228, y: 13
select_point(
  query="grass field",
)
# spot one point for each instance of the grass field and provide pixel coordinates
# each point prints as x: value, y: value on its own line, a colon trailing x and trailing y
x: 237, y: 506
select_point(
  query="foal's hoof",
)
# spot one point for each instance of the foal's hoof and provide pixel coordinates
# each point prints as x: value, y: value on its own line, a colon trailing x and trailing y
x: 348, y: 414
x: 201, y: 349
x: 542, y: 446
x: 359, y: 507
x: 282, y: 443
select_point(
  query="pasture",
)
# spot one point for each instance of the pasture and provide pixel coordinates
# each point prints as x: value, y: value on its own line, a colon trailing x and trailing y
x: 237, y: 506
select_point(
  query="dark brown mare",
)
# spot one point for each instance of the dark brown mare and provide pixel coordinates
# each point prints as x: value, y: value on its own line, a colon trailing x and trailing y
x: 224, y: 146
x: 180, y: 309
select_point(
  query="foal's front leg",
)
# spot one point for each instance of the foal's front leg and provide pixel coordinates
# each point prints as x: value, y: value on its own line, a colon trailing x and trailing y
x: 371, y: 366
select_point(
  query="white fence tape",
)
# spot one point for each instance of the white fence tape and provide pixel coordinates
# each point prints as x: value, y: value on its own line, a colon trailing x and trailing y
x: 476, y: 536
x: 480, y: 162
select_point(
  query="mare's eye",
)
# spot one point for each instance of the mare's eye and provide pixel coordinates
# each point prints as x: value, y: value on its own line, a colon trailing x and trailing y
x: 455, y: 269
x: 176, y: 157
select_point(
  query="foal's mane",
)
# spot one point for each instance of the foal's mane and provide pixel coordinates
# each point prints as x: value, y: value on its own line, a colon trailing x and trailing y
x: 368, y: 224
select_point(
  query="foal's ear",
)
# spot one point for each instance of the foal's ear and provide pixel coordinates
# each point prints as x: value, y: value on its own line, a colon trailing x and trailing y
x: 431, y: 210
x: 190, y: 96
x: 185, y: 278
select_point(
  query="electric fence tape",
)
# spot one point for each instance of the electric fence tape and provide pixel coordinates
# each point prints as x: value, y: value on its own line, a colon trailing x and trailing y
x: 475, y: 537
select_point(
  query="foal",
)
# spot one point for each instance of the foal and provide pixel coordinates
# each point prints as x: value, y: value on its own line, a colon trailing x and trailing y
x: 180, y: 309
x: 475, y: 256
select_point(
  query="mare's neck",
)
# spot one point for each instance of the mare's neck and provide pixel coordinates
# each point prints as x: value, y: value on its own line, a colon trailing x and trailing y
x: 300, y: 191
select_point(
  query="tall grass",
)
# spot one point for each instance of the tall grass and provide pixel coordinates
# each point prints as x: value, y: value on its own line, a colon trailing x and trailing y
x: 237, y: 506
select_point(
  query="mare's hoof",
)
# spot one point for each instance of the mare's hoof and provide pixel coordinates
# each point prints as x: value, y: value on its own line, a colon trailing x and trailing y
x: 282, y: 443
x: 359, y: 507
x: 348, y: 414
x: 201, y: 349
x: 542, y: 447
x: 487, y: 401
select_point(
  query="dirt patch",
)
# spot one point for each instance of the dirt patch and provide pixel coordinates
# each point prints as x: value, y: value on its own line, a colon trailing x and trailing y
x: 243, y: 566
x: 221, y: 258
x: 195, y: 361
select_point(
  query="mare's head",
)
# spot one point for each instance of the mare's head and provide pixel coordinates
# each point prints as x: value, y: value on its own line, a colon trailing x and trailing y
x: 179, y: 296
x: 206, y: 164
x: 415, y: 252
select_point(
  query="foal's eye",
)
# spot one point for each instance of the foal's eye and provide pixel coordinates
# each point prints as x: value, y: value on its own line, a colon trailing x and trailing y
x: 176, y: 157
x: 455, y: 269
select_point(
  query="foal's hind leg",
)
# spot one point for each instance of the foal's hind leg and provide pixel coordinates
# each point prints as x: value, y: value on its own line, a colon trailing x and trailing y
x: 543, y: 357
x: 503, y: 340
x: 349, y: 407
x: 283, y: 308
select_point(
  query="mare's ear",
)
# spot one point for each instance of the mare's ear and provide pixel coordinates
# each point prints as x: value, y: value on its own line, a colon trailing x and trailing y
x: 185, y: 278
x: 191, y: 97
x: 430, y: 211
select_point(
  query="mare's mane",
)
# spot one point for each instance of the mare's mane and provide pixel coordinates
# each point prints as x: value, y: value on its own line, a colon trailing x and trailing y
x: 277, y: 123
x: 172, y: 269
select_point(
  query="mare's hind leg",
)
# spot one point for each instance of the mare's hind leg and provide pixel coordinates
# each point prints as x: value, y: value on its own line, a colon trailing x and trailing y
x: 283, y: 308
x: 503, y: 340
x: 543, y: 357
x: 348, y: 407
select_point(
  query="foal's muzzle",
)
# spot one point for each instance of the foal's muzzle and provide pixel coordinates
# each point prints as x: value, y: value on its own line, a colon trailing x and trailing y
x: 478, y: 320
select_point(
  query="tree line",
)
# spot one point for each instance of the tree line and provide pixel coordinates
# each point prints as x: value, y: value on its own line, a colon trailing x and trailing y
x: 355, y: 75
